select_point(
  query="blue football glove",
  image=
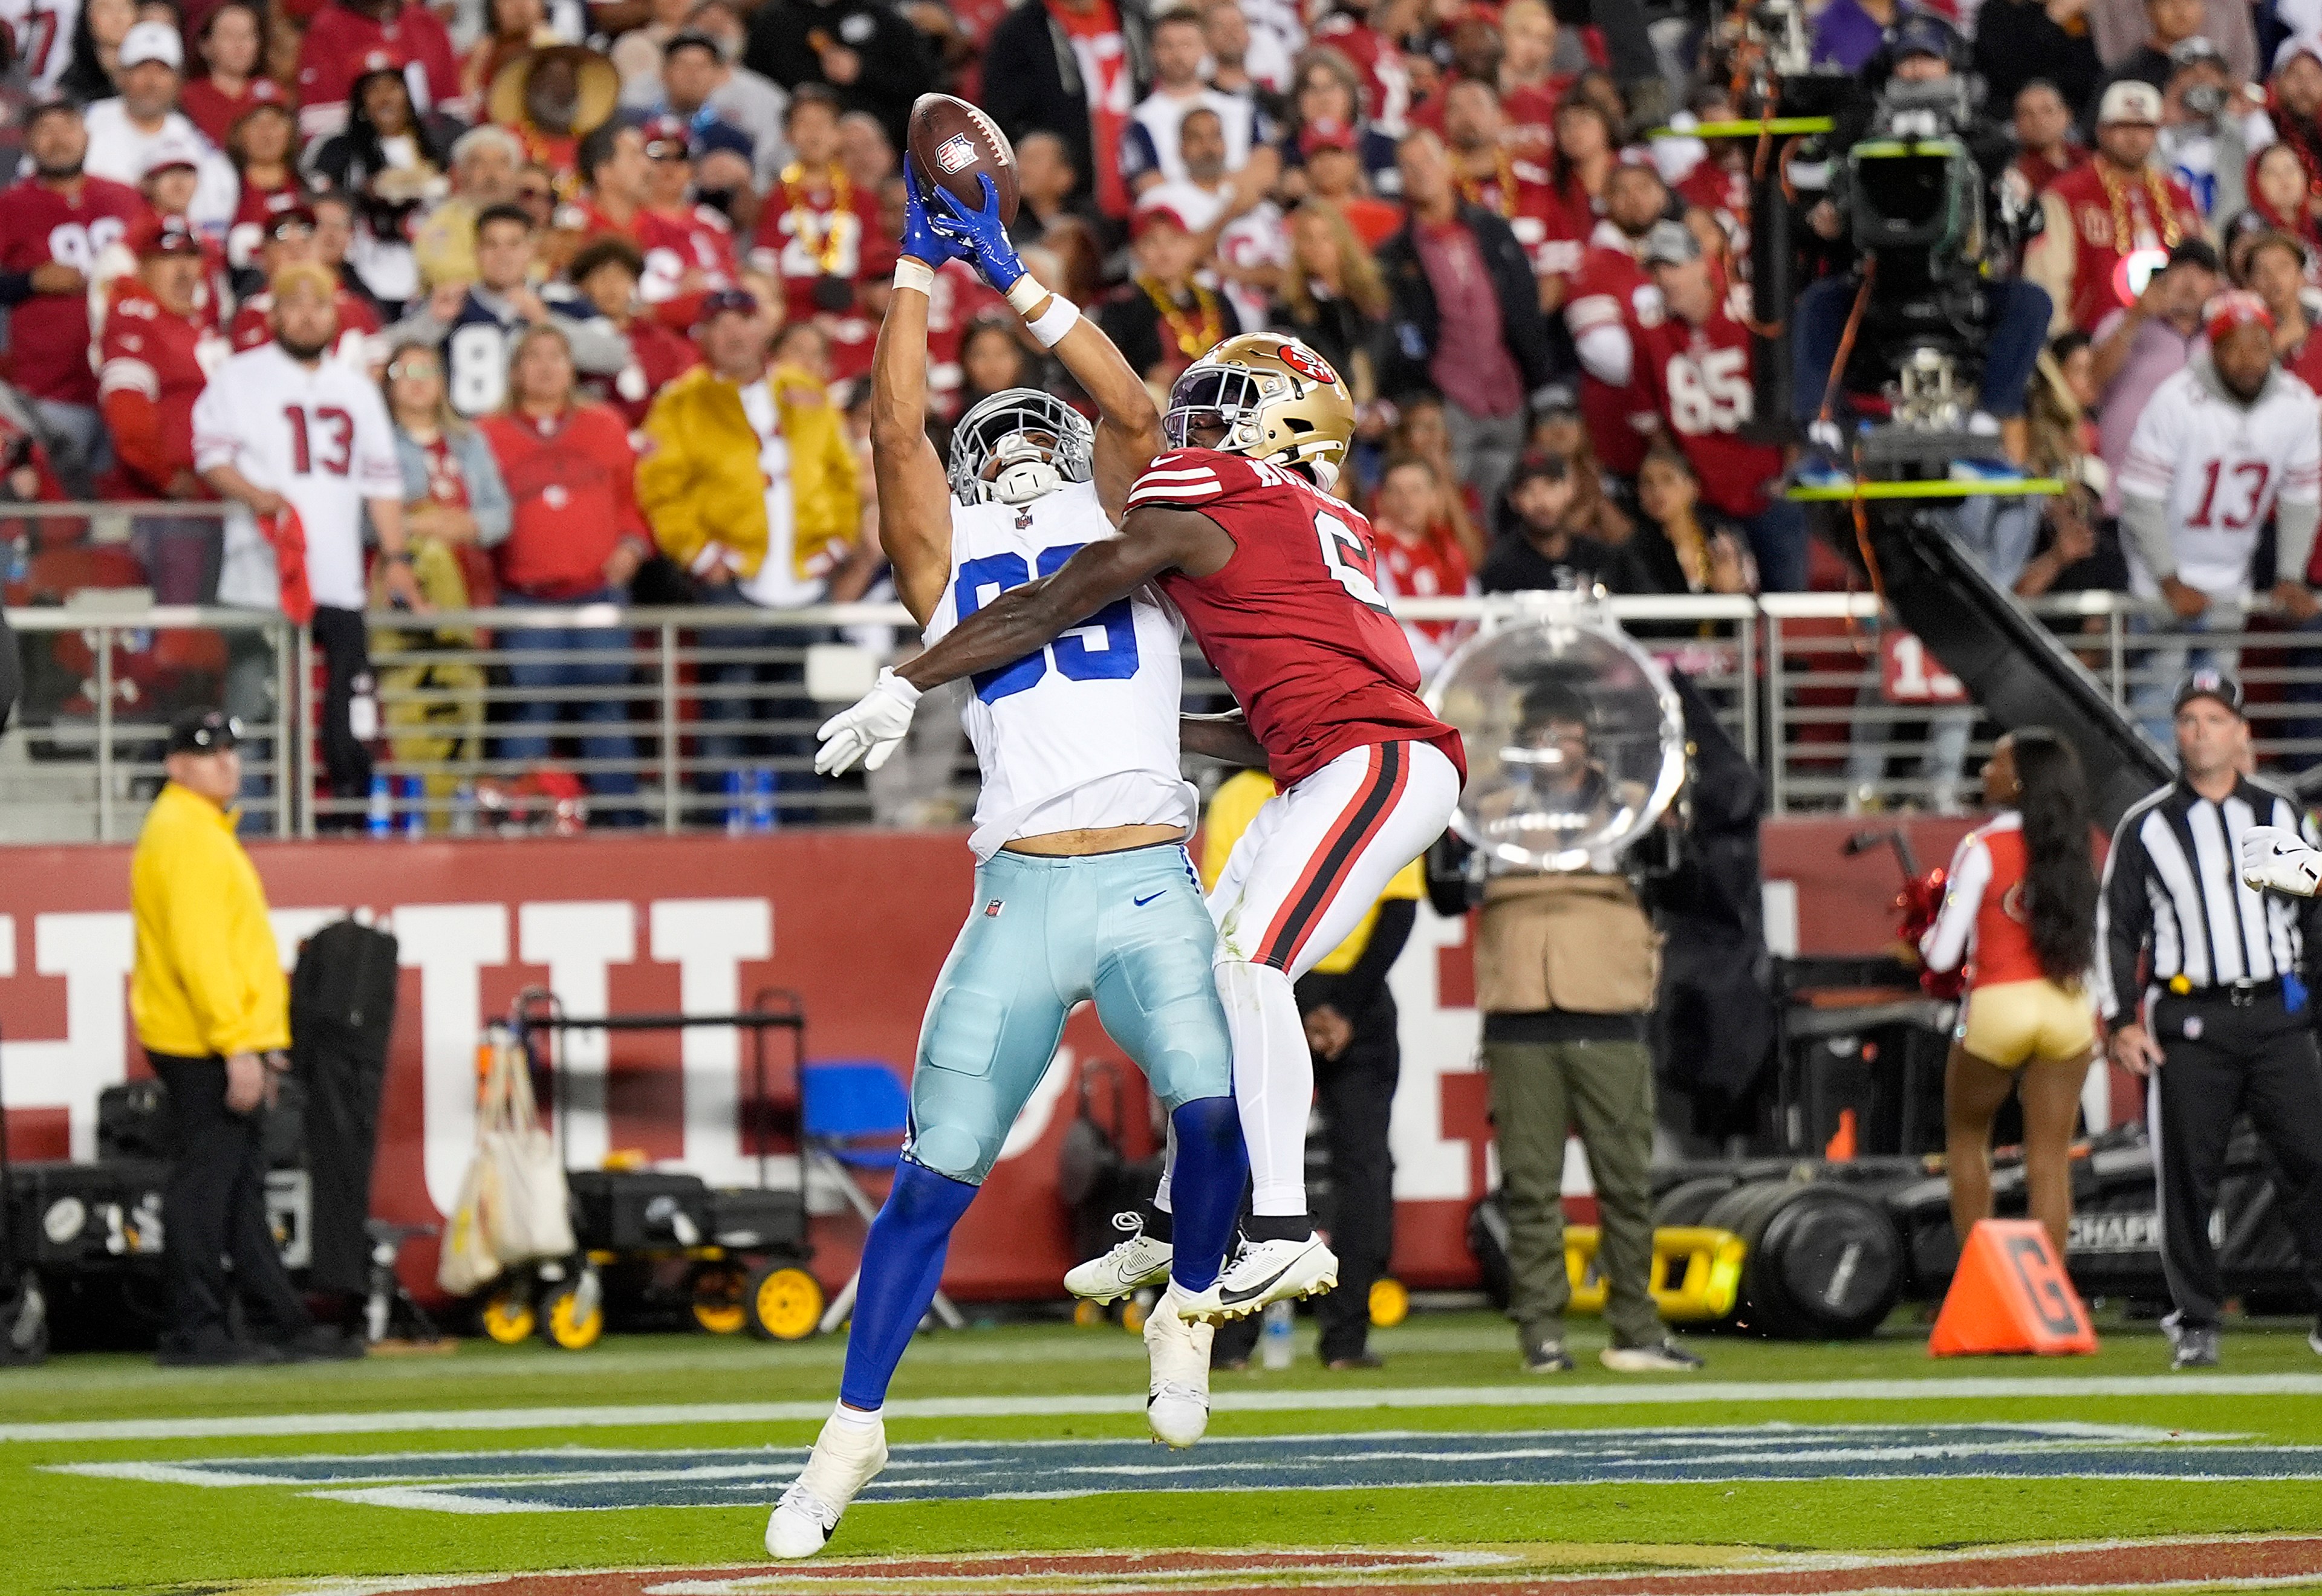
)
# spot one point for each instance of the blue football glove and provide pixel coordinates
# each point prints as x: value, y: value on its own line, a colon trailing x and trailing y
x: 982, y: 235
x: 921, y: 242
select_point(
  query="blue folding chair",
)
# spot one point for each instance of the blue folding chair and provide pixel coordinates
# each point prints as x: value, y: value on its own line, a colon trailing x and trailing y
x: 853, y: 1114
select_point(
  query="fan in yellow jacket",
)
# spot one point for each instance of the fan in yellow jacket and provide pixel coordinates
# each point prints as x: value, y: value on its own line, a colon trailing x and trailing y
x: 702, y: 482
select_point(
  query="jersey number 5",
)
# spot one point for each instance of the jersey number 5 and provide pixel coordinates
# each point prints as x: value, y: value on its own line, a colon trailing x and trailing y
x: 1071, y: 653
x: 1349, y: 560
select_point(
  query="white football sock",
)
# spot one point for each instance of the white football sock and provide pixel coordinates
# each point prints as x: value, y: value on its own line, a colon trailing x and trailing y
x: 856, y: 1418
x: 1168, y: 1169
x: 1273, y: 1082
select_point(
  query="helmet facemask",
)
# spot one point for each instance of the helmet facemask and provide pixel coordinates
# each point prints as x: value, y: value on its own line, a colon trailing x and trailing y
x: 1018, y: 446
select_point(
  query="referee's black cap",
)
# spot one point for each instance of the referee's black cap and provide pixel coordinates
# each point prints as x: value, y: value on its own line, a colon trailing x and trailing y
x: 2208, y: 684
x: 203, y: 731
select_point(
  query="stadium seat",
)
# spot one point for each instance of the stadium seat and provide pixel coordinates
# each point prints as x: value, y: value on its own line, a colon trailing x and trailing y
x: 853, y: 1114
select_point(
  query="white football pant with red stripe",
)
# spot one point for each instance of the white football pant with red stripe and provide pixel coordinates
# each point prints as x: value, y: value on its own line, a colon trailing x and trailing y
x: 1314, y: 860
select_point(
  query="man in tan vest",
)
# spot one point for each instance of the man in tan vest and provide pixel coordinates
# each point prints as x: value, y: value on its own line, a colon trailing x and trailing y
x: 1565, y: 965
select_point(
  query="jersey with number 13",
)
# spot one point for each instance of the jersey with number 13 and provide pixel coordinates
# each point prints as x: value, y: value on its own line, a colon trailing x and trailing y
x: 2220, y: 467
x: 1294, y: 621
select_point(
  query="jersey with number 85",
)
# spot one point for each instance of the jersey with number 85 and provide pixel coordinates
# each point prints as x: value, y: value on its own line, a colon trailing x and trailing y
x: 1294, y: 621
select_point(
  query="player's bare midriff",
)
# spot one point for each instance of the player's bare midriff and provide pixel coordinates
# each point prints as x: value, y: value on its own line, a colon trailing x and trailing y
x: 1097, y: 839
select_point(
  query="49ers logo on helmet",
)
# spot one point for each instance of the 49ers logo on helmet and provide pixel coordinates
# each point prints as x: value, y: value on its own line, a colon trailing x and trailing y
x: 1307, y: 363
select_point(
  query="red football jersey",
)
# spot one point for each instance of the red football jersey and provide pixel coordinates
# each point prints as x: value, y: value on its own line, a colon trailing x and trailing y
x: 694, y: 240
x: 1294, y: 621
x: 1568, y: 217
x: 812, y: 228
x: 1699, y: 381
x: 1610, y: 289
x: 1519, y: 194
x: 1387, y: 80
x: 214, y: 111
x: 48, y: 333
x: 153, y: 366
x: 341, y: 46
x: 658, y: 356
x: 1723, y: 191
x: 1529, y: 110
x: 245, y: 241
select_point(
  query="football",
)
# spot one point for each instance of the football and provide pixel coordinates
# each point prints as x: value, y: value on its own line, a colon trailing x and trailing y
x: 953, y: 143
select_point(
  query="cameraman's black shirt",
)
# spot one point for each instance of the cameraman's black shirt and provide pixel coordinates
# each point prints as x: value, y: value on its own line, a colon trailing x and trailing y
x: 1514, y: 565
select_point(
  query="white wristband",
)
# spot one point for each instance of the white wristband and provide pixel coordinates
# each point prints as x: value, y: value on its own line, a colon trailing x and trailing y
x: 1025, y: 293
x: 911, y: 272
x: 1060, y: 318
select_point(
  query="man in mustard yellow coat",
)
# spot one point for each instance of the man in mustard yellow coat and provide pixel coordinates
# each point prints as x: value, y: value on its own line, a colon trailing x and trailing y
x: 750, y: 484
x: 212, y: 1012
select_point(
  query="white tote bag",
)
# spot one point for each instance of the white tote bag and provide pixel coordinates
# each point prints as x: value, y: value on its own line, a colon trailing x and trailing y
x: 527, y: 1208
x: 467, y: 1263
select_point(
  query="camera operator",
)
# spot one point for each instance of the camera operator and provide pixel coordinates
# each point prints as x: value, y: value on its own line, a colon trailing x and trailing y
x: 1565, y: 965
x: 1922, y: 51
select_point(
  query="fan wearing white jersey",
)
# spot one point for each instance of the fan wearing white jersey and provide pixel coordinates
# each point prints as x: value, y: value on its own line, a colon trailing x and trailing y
x: 1082, y: 887
x: 43, y: 32
x: 2221, y: 445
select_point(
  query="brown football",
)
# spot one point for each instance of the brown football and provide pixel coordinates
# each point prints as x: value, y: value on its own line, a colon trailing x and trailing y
x: 954, y: 144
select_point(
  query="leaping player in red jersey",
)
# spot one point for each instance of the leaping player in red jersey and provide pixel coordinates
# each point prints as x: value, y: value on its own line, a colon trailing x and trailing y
x: 1274, y: 579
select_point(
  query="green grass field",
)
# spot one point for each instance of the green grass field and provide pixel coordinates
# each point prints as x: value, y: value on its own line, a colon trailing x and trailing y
x: 149, y: 1527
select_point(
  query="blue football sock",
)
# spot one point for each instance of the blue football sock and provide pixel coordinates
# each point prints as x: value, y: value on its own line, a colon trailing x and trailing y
x: 902, y: 1265
x: 1206, y: 1186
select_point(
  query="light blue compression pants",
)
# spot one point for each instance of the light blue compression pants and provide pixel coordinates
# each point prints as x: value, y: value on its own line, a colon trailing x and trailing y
x: 1128, y: 931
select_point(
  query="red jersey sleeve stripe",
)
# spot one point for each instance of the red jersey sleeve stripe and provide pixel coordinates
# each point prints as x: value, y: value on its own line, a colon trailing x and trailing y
x: 1188, y: 492
x: 1155, y: 474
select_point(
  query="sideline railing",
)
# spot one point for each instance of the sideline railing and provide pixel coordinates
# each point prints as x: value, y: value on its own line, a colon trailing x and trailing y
x: 703, y: 718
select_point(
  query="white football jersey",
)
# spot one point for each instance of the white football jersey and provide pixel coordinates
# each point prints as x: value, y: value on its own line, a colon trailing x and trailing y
x: 44, y: 38
x: 1084, y: 733
x: 2220, y: 467
x: 322, y: 439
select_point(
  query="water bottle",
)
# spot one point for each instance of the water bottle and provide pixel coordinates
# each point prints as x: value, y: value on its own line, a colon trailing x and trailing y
x: 415, y: 816
x: 762, y: 799
x: 381, y: 815
x: 736, y: 818
x: 463, y: 809
x: 1274, y: 1341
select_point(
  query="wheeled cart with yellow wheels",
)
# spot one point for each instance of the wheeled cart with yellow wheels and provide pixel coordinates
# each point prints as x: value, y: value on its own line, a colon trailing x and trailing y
x: 661, y: 1248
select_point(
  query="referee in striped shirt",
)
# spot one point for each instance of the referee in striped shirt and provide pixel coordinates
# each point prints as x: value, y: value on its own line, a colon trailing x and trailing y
x: 2202, y: 982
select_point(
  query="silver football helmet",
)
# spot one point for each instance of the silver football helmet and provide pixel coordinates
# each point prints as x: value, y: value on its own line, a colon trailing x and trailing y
x: 1018, y: 445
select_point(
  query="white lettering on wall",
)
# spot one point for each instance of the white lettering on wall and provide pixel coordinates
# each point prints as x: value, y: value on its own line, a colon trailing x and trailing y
x: 580, y: 943
x: 1435, y: 1042
x: 708, y: 939
x: 450, y: 945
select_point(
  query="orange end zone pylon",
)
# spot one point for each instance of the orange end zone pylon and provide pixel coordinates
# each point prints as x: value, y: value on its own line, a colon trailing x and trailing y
x: 2010, y: 1294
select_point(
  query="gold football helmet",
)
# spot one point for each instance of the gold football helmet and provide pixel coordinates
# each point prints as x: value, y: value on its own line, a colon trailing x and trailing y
x: 1276, y: 399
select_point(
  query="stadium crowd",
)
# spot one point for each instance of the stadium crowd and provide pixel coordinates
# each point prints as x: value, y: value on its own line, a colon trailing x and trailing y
x: 617, y: 270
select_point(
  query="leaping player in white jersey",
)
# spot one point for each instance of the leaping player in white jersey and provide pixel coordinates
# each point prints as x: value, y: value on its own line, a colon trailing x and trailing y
x: 1083, y: 886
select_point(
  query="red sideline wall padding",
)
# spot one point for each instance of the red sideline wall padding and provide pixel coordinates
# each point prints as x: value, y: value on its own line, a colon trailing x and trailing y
x: 857, y: 921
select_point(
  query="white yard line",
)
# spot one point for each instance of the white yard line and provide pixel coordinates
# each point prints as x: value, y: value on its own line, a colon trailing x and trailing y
x: 1679, y: 1392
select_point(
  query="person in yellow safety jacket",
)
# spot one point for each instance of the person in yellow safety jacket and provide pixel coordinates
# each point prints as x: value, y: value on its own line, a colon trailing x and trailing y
x: 211, y: 1010
x: 1351, y: 1027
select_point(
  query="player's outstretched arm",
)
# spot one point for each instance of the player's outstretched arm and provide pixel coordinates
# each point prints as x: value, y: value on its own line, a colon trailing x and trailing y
x: 1128, y: 433
x: 914, y: 496
x: 1226, y: 738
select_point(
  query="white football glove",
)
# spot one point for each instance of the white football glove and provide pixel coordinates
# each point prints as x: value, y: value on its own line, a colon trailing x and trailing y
x: 870, y: 730
x: 2274, y: 860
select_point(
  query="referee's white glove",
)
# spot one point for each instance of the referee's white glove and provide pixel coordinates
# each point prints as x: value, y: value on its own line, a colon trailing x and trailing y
x: 870, y: 730
x: 2274, y: 860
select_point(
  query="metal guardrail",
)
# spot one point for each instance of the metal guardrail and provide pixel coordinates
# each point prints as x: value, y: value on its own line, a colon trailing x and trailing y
x: 1794, y: 678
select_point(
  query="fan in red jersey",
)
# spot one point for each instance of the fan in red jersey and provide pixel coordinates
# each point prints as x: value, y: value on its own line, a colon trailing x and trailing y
x: 811, y: 232
x: 1693, y: 362
x: 1514, y: 188
x: 53, y: 226
x: 290, y: 238
x: 689, y: 248
x: 1276, y: 581
x: 1608, y: 301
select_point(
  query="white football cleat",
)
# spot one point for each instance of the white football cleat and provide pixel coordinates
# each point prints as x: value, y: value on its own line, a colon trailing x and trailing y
x: 846, y: 1457
x: 1133, y: 1265
x: 1178, y: 1405
x: 2274, y: 859
x: 1262, y: 1272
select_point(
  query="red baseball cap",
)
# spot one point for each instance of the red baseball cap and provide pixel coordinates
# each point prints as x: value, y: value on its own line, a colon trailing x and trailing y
x: 1325, y: 133
x: 2227, y: 312
x: 167, y: 235
x: 666, y: 136
x: 1149, y: 217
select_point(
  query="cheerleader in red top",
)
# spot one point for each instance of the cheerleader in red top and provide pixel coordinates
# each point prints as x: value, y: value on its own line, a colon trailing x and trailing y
x: 2022, y: 905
